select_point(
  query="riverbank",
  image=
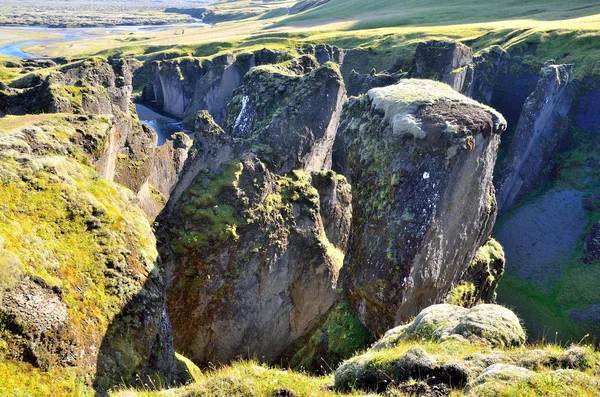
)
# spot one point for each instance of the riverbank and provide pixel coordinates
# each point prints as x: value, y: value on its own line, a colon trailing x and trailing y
x: 26, y: 42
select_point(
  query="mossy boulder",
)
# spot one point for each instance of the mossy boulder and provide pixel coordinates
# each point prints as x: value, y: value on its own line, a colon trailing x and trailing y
x: 485, y: 323
x: 420, y: 158
x: 479, y: 283
x: 369, y: 372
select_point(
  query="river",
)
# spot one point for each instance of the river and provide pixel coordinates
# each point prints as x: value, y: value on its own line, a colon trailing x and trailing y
x: 15, y: 50
x: 163, y: 125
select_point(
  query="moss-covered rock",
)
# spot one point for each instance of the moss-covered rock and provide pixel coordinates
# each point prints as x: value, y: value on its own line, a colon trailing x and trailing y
x: 479, y: 283
x: 83, y: 292
x: 289, y: 121
x: 252, y: 269
x: 338, y: 337
x: 420, y: 158
x: 368, y: 372
x: 485, y: 323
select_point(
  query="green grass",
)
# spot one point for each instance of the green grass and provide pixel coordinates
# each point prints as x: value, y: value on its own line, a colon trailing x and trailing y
x: 391, y: 13
x: 247, y: 378
x: 23, y: 380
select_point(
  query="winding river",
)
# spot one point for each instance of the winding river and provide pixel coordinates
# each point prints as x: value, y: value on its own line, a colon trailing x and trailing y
x: 15, y: 50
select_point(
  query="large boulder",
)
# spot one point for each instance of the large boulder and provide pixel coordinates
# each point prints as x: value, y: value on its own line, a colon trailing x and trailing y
x: 541, y: 126
x: 442, y: 60
x: 375, y: 373
x: 420, y: 158
x: 490, y: 324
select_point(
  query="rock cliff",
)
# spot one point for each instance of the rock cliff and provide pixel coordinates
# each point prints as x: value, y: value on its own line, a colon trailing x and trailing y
x: 541, y: 126
x: 254, y: 232
x: 446, y: 61
x: 420, y: 159
x: 80, y: 285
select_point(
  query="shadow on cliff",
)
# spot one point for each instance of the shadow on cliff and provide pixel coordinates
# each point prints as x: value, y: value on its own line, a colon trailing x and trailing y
x: 137, y: 349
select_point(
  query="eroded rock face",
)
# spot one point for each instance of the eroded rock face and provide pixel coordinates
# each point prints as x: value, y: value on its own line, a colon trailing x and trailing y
x: 95, y: 87
x: 445, y: 61
x: 325, y: 53
x: 483, y: 73
x: 541, y: 126
x: 167, y: 164
x: 290, y: 121
x: 251, y: 267
x: 420, y: 158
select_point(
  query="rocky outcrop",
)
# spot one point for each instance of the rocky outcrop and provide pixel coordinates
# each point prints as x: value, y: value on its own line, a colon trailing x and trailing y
x: 541, y: 127
x: 482, y: 75
x: 289, y: 120
x: 479, y: 283
x: 95, y: 87
x: 413, y: 365
x: 325, y: 53
x: 420, y: 158
x: 361, y: 83
x: 254, y: 232
x: 251, y: 268
x: 448, y: 348
x: 85, y: 292
x: 446, y: 61
x: 167, y: 164
x: 182, y: 87
x: 487, y: 324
